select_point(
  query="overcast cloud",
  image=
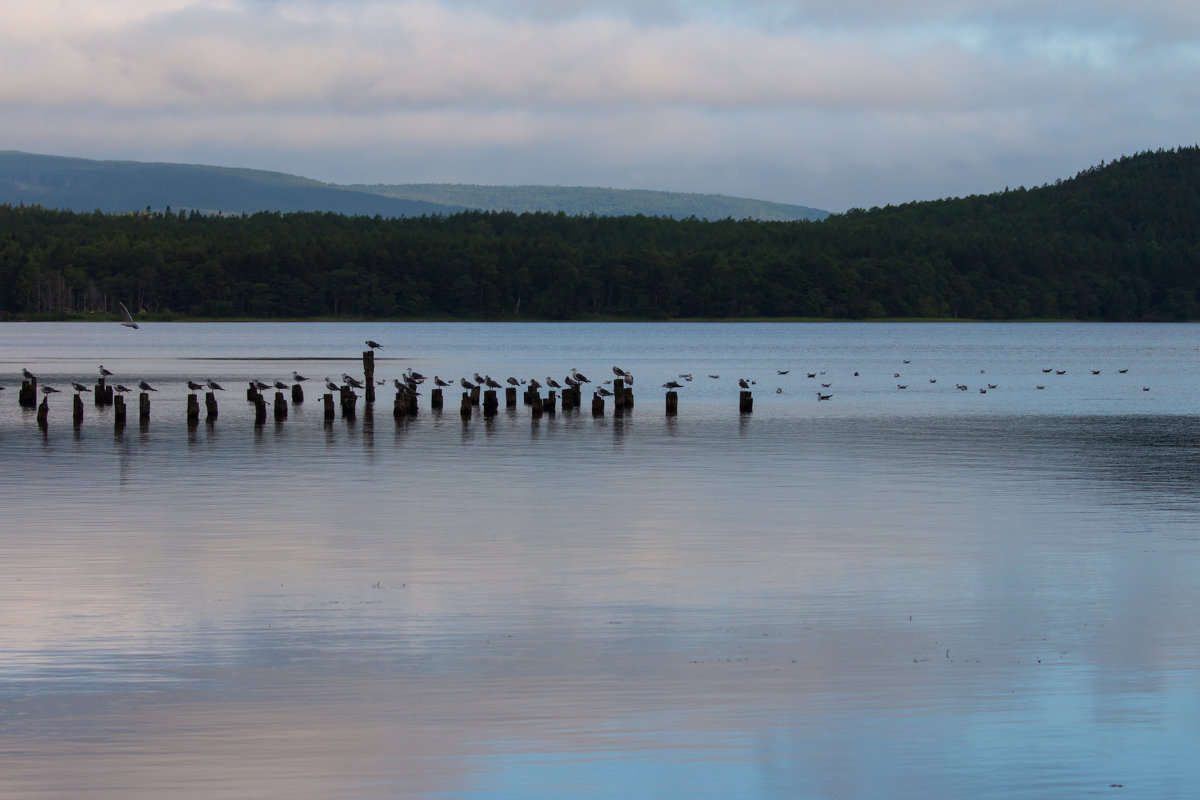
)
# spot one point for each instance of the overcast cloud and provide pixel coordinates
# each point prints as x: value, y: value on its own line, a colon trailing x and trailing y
x: 827, y: 103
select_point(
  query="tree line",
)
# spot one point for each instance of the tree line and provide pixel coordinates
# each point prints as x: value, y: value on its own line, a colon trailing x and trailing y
x: 1115, y: 242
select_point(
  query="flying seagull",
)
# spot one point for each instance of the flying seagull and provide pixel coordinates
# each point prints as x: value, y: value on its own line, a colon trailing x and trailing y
x: 128, y: 323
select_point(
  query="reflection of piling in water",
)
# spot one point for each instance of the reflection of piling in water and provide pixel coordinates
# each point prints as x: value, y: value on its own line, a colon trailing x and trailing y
x: 281, y: 408
x: 144, y: 407
x: 297, y: 394
x: 118, y: 413
x: 210, y: 406
x: 328, y: 401
x: 435, y: 399
x: 193, y: 410
x: 746, y: 401
x: 369, y: 375
x: 672, y: 403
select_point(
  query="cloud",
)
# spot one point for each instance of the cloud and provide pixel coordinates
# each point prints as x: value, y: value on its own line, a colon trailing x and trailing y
x: 662, y: 89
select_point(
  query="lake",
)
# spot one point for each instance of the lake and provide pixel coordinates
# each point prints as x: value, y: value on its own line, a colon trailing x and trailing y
x: 896, y: 593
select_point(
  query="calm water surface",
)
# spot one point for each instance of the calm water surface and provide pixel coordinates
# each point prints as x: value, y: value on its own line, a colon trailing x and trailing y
x: 898, y: 593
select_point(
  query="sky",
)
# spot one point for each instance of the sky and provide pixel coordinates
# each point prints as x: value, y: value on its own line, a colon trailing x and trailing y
x: 824, y: 103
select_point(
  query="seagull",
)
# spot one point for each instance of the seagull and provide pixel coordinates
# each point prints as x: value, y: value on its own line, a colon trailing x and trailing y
x: 1039, y: 387
x: 533, y: 383
x: 492, y: 383
x: 297, y: 377
x: 743, y: 383
x: 782, y: 371
x: 1145, y: 388
x: 933, y: 380
x: 257, y: 384
x: 826, y: 385
x: 553, y: 384
x: 194, y: 386
x: 811, y: 374
x: 1123, y: 371
x: 672, y: 385
x: 122, y: 389
x: 629, y: 377
x: 416, y: 376
x: 282, y: 385
x: 330, y: 385
x: 1060, y: 372
x: 103, y: 372
x: 439, y: 382
x: 48, y: 390
x: 604, y: 392
x: 1095, y: 372
x: 513, y: 382
x: 351, y: 381
x: 466, y: 384
x: 778, y: 390
x: 216, y: 387
x: 371, y: 343
x: 823, y: 396
x: 579, y: 376
x: 901, y: 385
x: 128, y: 323
x: 29, y: 376
x: 145, y: 387
x: 571, y: 381
x: 714, y: 377
x: 620, y: 373
x: 991, y: 386
x: 687, y: 376
x: 79, y: 387
x: 477, y: 378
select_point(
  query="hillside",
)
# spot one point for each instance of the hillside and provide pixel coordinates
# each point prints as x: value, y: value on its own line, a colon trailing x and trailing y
x: 576, y: 200
x: 115, y: 187
x: 1120, y: 241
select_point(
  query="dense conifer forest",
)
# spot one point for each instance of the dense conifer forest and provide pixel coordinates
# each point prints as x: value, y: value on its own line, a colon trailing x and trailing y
x: 1119, y: 241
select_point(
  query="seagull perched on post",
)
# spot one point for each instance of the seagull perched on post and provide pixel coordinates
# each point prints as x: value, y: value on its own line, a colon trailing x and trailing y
x: 29, y: 376
x: 103, y: 372
x: 195, y: 386
x: 297, y: 377
x: 466, y: 384
x: 743, y: 383
x: 216, y: 387
x: 352, y: 381
x: 79, y: 387
x: 122, y: 389
x: 331, y: 386
x: 672, y: 385
x: 145, y: 387
x: 579, y: 376
x: 371, y: 343
x: 128, y: 323
x: 438, y: 382
x: 48, y: 389
x: 553, y: 384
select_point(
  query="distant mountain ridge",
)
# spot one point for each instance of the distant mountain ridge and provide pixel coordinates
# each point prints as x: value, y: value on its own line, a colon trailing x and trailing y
x: 114, y: 187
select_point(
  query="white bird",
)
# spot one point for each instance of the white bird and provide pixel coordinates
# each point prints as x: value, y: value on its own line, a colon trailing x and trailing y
x: 122, y: 389
x: 416, y: 376
x: 579, y: 376
x: 352, y: 381
x: 297, y: 377
x: 553, y: 384
x: 257, y: 384
x: 103, y: 372
x: 216, y: 387
x: 491, y: 382
x: 330, y: 385
x: 604, y: 392
x: 128, y: 323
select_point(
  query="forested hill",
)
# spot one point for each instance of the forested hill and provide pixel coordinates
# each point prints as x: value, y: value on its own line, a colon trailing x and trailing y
x: 1116, y: 242
x: 578, y: 200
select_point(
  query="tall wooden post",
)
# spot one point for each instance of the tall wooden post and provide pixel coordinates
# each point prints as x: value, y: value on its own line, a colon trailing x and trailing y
x: 193, y: 410
x: 43, y: 413
x: 672, y: 403
x: 548, y: 402
x: 297, y: 394
x: 144, y: 407
x: 435, y: 399
x: 369, y: 374
x: 475, y: 395
x: 328, y: 400
x: 281, y: 409
x: 746, y: 401
x: 349, y: 401
x: 210, y: 406
x: 77, y: 411
x: 510, y: 397
x: 119, y: 413
x: 535, y: 404
x: 466, y: 407
x: 27, y: 396
x: 491, y: 404
x: 260, y: 410
x: 597, y: 405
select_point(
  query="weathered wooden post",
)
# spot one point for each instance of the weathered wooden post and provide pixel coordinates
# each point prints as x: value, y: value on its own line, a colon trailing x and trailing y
x: 144, y: 407
x: 465, y: 408
x: 435, y: 399
x: 349, y: 401
x: 369, y: 374
x: 530, y: 393
x: 210, y: 406
x: 43, y: 413
x: 565, y: 399
x: 252, y: 393
x: 672, y: 403
x: 475, y: 395
x: 281, y: 409
x: 297, y: 394
x: 103, y: 393
x: 193, y: 410
x: 746, y: 401
x: 491, y: 404
x: 119, y: 413
x: 628, y: 398
x: 77, y: 411
x: 27, y: 396
x: 535, y: 404
x: 548, y: 402
x: 576, y: 396
x: 260, y: 410
x: 618, y: 396
x: 597, y: 405
x: 399, y: 405
x: 328, y: 400
x: 510, y: 397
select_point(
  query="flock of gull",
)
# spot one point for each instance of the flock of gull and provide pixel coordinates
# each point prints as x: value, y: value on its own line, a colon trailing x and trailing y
x: 410, y: 381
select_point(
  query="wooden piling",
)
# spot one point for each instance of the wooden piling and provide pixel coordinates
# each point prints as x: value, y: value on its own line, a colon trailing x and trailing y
x: 369, y: 375
x: 672, y: 403
x: 77, y: 411
x: 210, y: 406
x: 27, y: 396
x: 597, y: 405
x: 435, y: 399
x: 548, y: 402
x: 103, y: 393
x: 43, y: 413
x: 297, y: 394
x: 118, y: 413
x: 491, y: 404
x: 475, y: 395
x: 746, y: 401
x: 252, y: 393
x: 144, y: 407
x: 193, y: 410
x: 349, y: 402
x: 628, y: 404
x: 535, y: 404
x: 618, y: 395
x: 510, y: 397
x: 260, y: 410
x: 466, y: 407
x: 530, y: 394
x: 281, y: 409
x: 328, y: 400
